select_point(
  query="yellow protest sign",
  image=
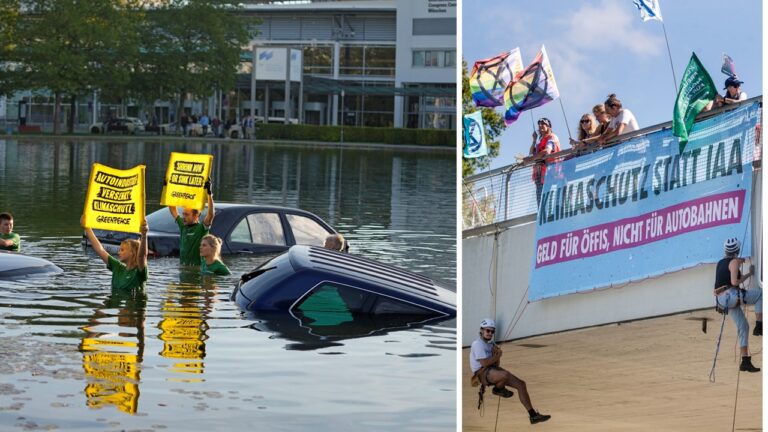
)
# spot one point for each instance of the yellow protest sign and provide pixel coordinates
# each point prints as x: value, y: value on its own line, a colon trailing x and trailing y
x: 115, y: 199
x: 185, y: 180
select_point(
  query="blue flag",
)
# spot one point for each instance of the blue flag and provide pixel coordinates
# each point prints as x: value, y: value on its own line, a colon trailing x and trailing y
x: 474, y: 136
x: 649, y: 9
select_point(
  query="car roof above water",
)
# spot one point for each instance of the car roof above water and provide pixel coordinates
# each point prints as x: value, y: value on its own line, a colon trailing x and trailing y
x: 370, y: 271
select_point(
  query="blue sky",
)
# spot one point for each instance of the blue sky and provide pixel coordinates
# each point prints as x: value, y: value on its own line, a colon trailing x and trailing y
x: 598, y: 47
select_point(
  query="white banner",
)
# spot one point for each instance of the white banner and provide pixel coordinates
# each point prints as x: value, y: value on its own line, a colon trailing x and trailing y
x: 2, y: 106
x: 271, y: 64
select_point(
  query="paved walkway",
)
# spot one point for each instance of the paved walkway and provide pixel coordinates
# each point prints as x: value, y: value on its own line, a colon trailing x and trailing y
x: 650, y: 375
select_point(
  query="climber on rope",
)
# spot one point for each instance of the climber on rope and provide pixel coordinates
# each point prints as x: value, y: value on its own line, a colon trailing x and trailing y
x: 484, y: 359
x: 730, y: 296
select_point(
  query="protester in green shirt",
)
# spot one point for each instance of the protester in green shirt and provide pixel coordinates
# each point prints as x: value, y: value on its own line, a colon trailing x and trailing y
x: 210, y: 257
x: 130, y: 271
x: 9, y: 240
x: 192, y: 231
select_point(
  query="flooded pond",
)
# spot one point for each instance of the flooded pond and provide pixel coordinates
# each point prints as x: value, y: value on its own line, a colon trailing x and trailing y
x: 75, y: 357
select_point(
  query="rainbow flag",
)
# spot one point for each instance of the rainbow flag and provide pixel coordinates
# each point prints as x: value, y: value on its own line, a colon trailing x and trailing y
x: 490, y: 77
x: 530, y: 88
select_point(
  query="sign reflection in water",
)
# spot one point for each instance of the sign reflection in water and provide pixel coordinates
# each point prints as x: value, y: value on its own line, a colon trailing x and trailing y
x: 184, y: 309
x: 112, y: 356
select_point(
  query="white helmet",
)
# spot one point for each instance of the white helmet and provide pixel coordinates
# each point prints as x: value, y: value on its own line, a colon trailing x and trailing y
x: 732, y: 245
x: 487, y: 323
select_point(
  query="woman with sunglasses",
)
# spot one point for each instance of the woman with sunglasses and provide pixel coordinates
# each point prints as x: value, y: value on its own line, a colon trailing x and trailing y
x: 589, y: 131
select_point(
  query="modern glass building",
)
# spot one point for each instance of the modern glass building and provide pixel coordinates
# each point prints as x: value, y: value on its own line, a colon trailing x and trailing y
x: 393, y: 61
x: 378, y: 63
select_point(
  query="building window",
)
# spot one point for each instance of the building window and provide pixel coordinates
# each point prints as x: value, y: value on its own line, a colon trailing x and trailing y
x: 318, y: 60
x: 351, y: 61
x: 430, y: 112
x: 434, y: 58
x: 380, y: 61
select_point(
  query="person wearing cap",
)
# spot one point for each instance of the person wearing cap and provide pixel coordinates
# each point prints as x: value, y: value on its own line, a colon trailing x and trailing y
x: 730, y: 296
x: 547, y: 144
x: 484, y: 360
x: 733, y: 93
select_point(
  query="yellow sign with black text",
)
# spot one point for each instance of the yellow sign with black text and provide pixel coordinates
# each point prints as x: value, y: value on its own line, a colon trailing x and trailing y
x: 185, y: 179
x: 115, y: 199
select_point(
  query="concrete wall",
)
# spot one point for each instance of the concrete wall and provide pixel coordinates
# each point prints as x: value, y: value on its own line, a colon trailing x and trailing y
x: 503, y: 260
x: 407, y: 11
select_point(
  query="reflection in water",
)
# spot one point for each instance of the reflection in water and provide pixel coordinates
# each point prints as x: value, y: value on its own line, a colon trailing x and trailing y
x: 112, y: 356
x: 183, y: 326
x: 318, y: 330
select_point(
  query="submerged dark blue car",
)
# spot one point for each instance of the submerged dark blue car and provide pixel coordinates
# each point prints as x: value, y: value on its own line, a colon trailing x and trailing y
x: 320, y: 285
x: 15, y: 266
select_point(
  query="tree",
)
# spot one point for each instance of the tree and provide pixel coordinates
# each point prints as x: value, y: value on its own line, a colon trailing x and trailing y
x: 493, y: 124
x: 68, y: 47
x: 191, y: 47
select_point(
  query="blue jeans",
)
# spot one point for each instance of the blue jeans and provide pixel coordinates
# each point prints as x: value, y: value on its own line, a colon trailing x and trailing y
x: 729, y: 299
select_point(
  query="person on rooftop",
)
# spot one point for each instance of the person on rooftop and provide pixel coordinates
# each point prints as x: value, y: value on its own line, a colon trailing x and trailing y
x: 589, y: 132
x: 484, y: 360
x: 730, y: 296
x: 733, y: 93
x: 547, y: 144
x: 622, y: 119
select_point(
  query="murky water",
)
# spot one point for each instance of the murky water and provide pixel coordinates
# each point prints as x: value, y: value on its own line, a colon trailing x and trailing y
x: 75, y: 357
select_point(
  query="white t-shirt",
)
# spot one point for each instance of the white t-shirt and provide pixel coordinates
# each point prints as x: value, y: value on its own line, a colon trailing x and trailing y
x: 480, y: 350
x: 742, y: 96
x: 625, y: 117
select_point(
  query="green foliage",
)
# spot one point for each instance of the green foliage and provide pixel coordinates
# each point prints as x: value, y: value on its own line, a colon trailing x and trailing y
x: 127, y: 49
x: 493, y: 123
x: 427, y: 137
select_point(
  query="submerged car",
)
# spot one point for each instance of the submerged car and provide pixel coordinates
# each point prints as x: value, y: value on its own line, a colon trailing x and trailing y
x: 318, y: 285
x: 14, y: 267
x: 243, y: 228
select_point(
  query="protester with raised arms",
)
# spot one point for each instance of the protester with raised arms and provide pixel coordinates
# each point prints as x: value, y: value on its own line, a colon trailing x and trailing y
x: 129, y: 272
x: 191, y: 230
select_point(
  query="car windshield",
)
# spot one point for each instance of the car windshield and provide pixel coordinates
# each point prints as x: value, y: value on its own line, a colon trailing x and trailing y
x: 162, y: 221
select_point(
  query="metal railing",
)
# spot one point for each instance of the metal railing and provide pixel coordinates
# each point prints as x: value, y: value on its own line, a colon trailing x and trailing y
x: 508, y: 193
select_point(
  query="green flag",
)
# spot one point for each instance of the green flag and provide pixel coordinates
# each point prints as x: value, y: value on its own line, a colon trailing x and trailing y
x: 696, y: 92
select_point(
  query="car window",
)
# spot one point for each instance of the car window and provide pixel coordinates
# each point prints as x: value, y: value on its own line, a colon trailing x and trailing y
x: 259, y: 228
x: 329, y: 304
x: 266, y: 229
x: 306, y: 231
x: 241, y: 233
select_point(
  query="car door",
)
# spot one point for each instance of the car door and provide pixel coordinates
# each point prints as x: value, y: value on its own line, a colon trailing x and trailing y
x: 258, y: 232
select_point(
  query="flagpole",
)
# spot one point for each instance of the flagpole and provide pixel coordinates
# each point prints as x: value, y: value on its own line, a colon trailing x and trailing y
x: 674, y: 78
x: 564, y: 117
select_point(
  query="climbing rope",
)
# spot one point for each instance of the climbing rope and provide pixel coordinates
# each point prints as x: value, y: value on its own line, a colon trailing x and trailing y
x: 717, y: 350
